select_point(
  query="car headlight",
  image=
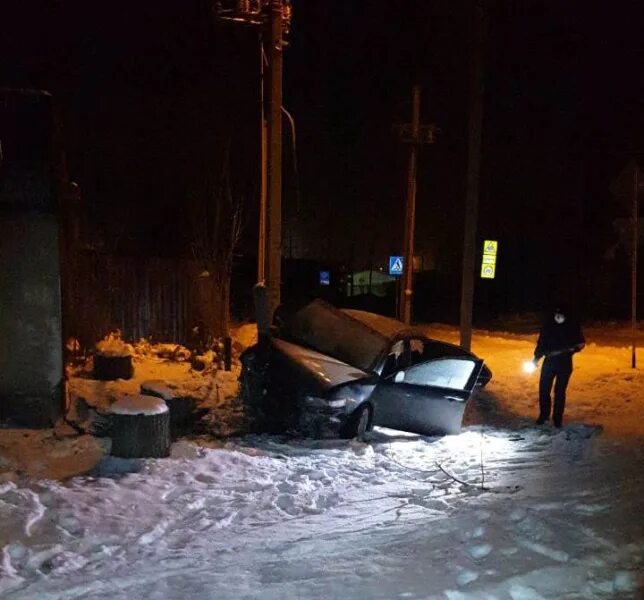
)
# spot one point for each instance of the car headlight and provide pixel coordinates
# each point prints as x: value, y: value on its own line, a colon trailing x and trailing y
x: 337, y: 402
x: 315, y: 402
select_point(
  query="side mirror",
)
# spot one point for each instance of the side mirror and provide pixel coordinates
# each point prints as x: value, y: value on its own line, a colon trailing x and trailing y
x: 400, y: 377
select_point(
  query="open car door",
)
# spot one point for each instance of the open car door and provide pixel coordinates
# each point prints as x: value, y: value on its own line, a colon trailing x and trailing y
x: 428, y: 397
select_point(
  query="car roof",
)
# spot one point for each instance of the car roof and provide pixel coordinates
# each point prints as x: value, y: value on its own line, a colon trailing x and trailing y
x: 393, y: 329
x: 385, y: 326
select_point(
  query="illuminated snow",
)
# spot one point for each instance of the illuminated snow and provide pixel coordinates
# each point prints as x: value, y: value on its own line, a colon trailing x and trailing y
x: 504, y: 510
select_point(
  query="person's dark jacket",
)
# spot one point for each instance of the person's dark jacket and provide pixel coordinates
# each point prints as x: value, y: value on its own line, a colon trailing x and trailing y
x: 559, y: 341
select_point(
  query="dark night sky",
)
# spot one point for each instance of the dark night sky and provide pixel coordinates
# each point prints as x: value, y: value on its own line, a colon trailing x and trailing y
x: 150, y: 92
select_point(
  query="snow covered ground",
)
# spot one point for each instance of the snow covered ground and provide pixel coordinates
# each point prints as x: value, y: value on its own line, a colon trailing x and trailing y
x: 503, y: 511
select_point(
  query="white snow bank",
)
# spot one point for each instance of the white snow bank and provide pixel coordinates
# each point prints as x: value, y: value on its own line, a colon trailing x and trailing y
x: 245, y: 335
x: 260, y: 518
x: 164, y: 350
x: 139, y: 404
x: 113, y: 345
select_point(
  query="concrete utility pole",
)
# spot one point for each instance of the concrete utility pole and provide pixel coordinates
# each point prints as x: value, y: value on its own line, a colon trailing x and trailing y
x: 414, y: 134
x: 273, y: 18
x: 473, y: 175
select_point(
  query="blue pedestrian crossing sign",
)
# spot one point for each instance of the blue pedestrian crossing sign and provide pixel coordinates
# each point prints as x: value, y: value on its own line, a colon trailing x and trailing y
x: 396, y: 265
x: 325, y: 278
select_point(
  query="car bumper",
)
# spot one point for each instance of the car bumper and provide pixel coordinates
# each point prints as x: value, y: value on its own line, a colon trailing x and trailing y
x: 317, y: 418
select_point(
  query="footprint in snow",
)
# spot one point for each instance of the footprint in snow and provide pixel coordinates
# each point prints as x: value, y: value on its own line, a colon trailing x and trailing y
x: 285, y: 502
x: 287, y: 487
x: 478, y: 551
x: 465, y: 577
x: 205, y: 478
x: 524, y: 592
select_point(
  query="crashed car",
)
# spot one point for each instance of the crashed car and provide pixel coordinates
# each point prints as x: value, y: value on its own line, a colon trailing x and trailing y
x: 327, y: 372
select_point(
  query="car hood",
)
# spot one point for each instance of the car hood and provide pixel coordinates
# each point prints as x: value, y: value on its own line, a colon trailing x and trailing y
x: 327, y: 371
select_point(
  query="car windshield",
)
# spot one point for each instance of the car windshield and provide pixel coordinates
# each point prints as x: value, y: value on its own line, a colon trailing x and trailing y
x: 326, y: 329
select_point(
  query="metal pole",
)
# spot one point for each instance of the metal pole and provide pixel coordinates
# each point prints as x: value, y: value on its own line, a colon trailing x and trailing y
x: 261, y: 248
x: 274, y: 187
x: 410, y: 212
x: 293, y: 218
x: 634, y: 269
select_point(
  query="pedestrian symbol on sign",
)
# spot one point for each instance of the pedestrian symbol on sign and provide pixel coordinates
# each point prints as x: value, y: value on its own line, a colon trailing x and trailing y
x: 396, y: 265
x: 490, y: 247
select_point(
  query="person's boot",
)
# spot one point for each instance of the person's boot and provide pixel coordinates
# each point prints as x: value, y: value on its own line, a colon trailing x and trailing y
x: 541, y: 420
x: 557, y: 423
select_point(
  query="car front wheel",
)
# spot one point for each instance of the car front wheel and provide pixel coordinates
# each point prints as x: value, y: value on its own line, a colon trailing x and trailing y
x: 359, y: 423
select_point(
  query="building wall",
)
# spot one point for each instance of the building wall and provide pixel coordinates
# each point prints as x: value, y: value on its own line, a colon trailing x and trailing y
x: 31, y: 362
x: 31, y: 373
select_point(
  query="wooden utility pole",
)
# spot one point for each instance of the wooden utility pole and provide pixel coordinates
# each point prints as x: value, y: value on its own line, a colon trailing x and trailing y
x: 273, y: 18
x: 261, y: 246
x: 406, y: 290
x: 414, y: 134
x: 273, y: 250
x: 473, y: 175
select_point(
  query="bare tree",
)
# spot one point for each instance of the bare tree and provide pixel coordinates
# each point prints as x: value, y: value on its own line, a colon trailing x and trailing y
x: 216, y: 229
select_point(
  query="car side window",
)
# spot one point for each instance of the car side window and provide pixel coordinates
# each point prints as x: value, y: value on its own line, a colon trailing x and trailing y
x: 452, y: 373
x: 417, y: 347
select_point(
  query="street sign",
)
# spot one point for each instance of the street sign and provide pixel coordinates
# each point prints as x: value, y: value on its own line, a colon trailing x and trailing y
x: 325, y: 278
x: 396, y: 265
x: 488, y: 262
x: 487, y: 271
x: 490, y: 247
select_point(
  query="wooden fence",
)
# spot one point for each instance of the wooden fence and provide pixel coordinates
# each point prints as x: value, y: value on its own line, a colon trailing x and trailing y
x: 152, y: 298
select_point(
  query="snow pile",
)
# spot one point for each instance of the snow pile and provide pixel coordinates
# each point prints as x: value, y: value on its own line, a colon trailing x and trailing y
x: 175, y: 352
x: 51, y: 453
x: 165, y: 371
x: 490, y: 513
x: 113, y: 345
x: 244, y: 336
x: 205, y: 361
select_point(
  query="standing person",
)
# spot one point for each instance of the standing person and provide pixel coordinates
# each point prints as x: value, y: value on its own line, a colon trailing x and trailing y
x: 559, y: 338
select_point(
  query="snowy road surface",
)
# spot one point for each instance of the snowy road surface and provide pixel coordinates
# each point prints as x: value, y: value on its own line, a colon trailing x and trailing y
x: 260, y: 518
x: 559, y: 516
